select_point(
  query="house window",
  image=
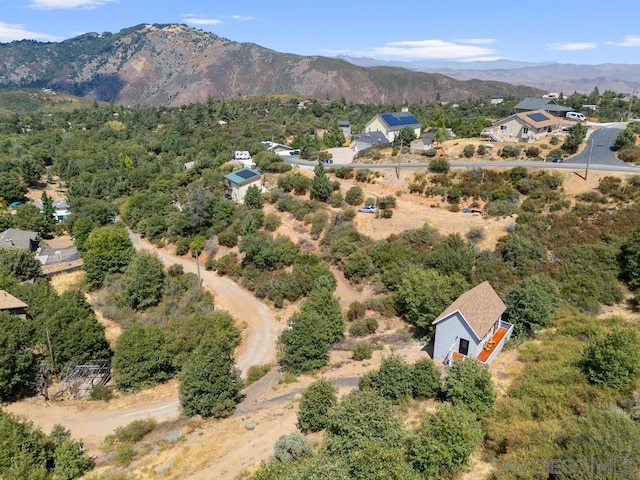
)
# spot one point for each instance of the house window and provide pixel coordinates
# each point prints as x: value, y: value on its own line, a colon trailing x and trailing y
x: 503, y: 128
x: 525, y: 130
x: 464, y: 347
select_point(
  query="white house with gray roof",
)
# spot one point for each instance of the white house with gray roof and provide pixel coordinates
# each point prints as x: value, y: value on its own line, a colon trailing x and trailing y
x: 390, y: 124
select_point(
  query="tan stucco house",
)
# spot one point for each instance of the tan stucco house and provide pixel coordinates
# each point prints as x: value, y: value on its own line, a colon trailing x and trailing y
x: 523, y: 127
x: 236, y: 183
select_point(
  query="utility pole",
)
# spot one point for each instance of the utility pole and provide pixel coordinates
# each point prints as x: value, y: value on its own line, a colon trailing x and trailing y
x: 630, y: 105
x: 586, y: 172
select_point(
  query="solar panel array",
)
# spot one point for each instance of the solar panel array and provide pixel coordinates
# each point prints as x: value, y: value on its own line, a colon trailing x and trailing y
x: 395, y: 120
x: 538, y: 117
x: 246, y: 174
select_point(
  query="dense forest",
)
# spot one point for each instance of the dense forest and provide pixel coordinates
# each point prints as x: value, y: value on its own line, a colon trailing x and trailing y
x: 124, y: 167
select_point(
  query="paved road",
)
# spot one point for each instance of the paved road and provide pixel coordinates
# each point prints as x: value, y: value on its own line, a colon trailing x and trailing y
x: 599, y: 149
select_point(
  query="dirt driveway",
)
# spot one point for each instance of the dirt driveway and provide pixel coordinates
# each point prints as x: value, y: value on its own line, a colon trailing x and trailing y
x: 92, y: 421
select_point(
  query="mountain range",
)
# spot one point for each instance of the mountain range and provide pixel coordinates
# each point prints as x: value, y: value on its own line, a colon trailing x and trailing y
x: 175, y: 65
x: 549, y: 76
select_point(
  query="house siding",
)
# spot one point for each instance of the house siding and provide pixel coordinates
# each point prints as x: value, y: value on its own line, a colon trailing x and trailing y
x: 448, y: 333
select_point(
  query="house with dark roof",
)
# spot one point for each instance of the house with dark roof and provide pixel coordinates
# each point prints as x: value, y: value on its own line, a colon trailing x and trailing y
x: 237, y: 183
x: 390, y: 124
x: 363, y: 142
x: 472, y: 327
x: 12, y: 305
x: 425, y: 142
x: 16, y: 238
x: 547, y: 104
x: 523, y: 127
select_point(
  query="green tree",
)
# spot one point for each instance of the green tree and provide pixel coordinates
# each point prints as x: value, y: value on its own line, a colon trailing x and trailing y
x: 143, y: 281
x: 31, y: 170
x: 441, y: 446
x: 107, y: 250
x: 626, y: 138
x: 393, y: 380
x: 425, y: 379
x: 12, y: 188
x: 468, y: 384
x: 321, y: 188
x: 304, y: 343
x: 28, y: 217
x: 333, y: 137
x: 422, y: 295
x: 141, y: 358
x: 354, y: 196
x: 253, y: 198
x: 316, y: 402
x: 209, y: 381
x: 612, y: 360
x: 405, y: 136
x: 20, y: 262
x: 69, y: 459
x: 18, y: 362
x: 531, y: 303
x: 575, y: 138
x: 363, y: 418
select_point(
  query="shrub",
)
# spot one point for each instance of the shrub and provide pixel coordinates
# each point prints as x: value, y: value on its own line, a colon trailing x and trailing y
x: 256, y: 372
x: 482, y: 150
x: 392, y: 381
x: 336, y: 200
x: 469, y: 384
x: 386, y: 202
x: 175, y: 270
x: 364, y: 327
x: 469, y: 151
x: 344, y: 172
x: 100, y: 392
x: 500, y: 208
x: 554, y: 140
x: 430, y: 153
x: 362, y: 175
x: 316, y: 402
x: 136, y: 430
x: 228, y: 238
x: 356, y: 311
x: 291, y: 448
x: 532, y: 152
x: 210, y: 264
x: 439, y: 165
x: 354, y: 196
x: 362, y: 351
x: 426, y: 379
x: 124, y: 454
x: 182, y: 246
x: 386, y: 213
x: 271, y: 222
x: 475, y: 234
x: 510, y: 151
x: 612, y: 360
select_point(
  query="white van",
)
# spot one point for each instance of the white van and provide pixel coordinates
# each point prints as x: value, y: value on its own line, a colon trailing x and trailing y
x: 576, y: 116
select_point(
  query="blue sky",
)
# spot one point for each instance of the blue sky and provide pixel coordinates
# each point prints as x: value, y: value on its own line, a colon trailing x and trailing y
x: 585, y: 32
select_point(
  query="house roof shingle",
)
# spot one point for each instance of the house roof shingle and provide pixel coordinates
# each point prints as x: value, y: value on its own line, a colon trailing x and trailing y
x: 13, y: 237
x: 481, y: 307
x: 373, y: 138
x: 538, y: 118
x: 9, y: 302
x: 546, y: 104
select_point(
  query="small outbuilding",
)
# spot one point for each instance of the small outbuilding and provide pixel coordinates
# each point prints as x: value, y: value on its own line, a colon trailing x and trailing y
x: 12, y: 305
x: 472, y: 327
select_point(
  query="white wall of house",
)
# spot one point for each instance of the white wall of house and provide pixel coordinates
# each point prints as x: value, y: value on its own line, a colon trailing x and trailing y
x: 449, y: 332
x: 239, y: 191
x: 514, y: 129
x: 377, y: 125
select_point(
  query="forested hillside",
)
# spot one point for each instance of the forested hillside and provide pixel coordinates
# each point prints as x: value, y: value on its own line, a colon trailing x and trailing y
x: 563, y: 259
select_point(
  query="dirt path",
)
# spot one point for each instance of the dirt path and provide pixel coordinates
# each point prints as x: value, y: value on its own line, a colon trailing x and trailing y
x: 92, y: 421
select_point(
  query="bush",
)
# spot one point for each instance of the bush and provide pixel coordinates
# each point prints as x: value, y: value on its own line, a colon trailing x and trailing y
x: 336, y: 200
x: 344, y: 172
x: 510, y: 151
x: 430, y: 153
x: 482, y: 150
x: 362, y: 175
x: 469, y: 384
x: 256, y: 372
x: 136, y: 430
x: 499, y: 208
x: 271, y: 222
x: 532, y: 152
x: 468, y: 151
x: 439, y: 165
x: 554, y: 140
x: 228, y: 238
x: 100, y: 392
x: 612, y: 360
x: 364, y: 327
x: 354, y: 196
x: 182, y: 246
x: 386, y: 202
x: 291, y: 448
x: 356, y: 311
x: 426, y: 379
x: 475, y: 234
x: 392, y: 381
x: 175, y: 270
x: 316, y: 402
x: 362, y: 351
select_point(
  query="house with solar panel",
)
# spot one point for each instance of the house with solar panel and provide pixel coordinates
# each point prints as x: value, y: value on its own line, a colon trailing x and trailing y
x: 523, y: 127
x: 472, y: 327
x: 390, y: 124
x: 236, y: 183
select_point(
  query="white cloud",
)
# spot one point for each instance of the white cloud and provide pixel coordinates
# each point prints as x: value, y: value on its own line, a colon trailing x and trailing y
x: 572, y: 46
x: 430, y: 49
x: 478, y: 41
x: 242, y: 18
x: 193, y: 19
x: 68, y: 4
x: 629, y: 41
x: 10, y: 32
